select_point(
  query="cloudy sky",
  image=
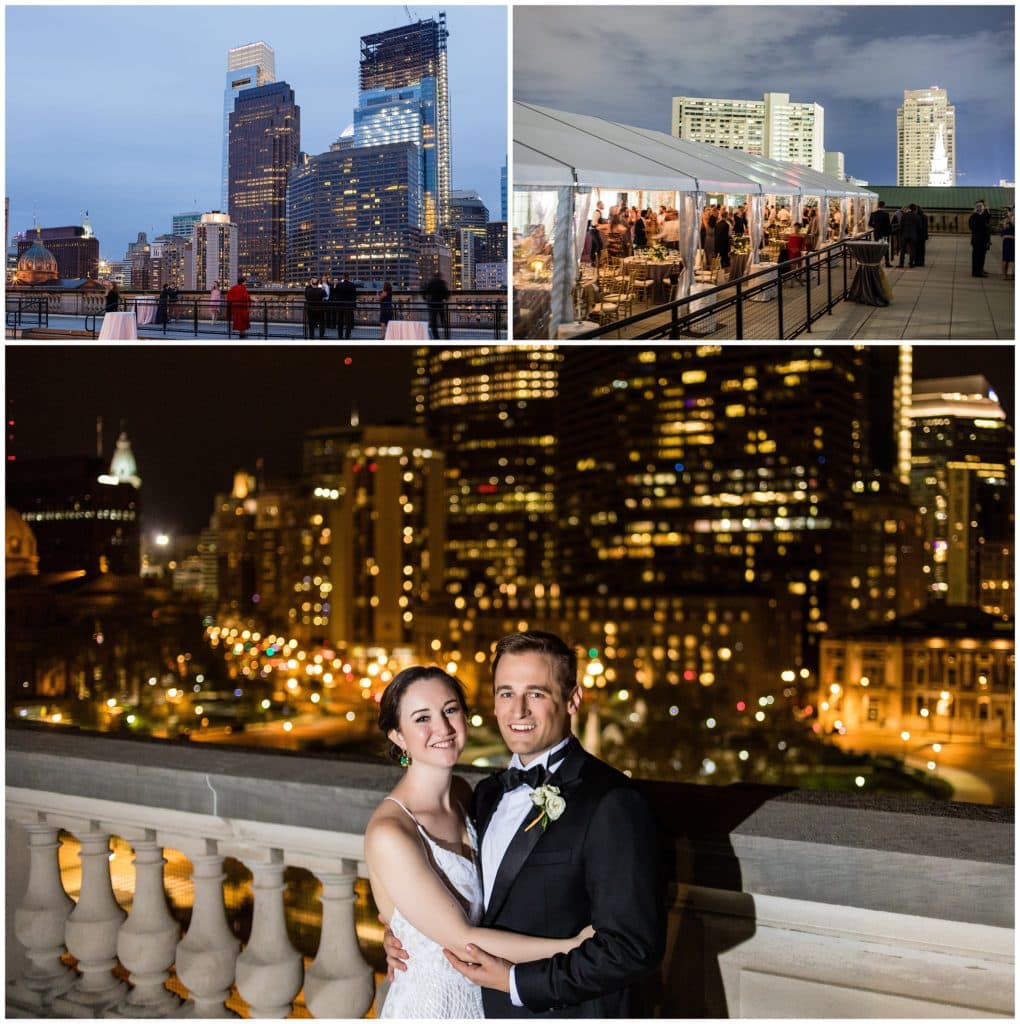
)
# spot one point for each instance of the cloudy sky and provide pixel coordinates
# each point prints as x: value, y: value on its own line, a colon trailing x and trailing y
x: 626, y: 64
x: 118, y: 109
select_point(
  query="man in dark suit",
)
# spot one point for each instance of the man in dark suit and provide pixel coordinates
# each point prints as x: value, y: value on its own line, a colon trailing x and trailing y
x: 436, y: 294
x: 910, y: 234
x: 881, y: 228
x: 346, y: 298
x: 980, y: 225
x: 551, y: 871
x: 315, y: 299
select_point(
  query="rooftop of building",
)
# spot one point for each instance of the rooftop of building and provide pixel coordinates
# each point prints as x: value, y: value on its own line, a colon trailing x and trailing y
x: 934, y: 197
x: 940, y: 620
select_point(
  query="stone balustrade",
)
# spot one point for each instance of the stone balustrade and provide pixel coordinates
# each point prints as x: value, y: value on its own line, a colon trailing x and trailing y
x: 783, y: 904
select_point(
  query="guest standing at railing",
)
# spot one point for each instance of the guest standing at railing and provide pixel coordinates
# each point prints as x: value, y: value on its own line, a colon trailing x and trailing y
x: 385, y: 308
x: 315, y: 312
x: 436, y: 295
x: 163, y: 306
x: 239, y: 307
x: 215, y: 297
x: 346, y: 302
x: 112, y: 299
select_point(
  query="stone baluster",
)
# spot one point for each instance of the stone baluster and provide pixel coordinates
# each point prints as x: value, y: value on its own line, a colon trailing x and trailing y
x: 147, y: 943
x: 339, y: 983
x: 269, y: 971
x: 39, y: 923
x: 91, y: 932
x: 207, y: 955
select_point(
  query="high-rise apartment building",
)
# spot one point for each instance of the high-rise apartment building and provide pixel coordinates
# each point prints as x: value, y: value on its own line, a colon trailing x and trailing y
x: 502, y: 193
x: 772, y: 126
x: 962, y: 478
x: 171, y: 261
x: 394, y: 64
x: 354, y: 210
x: 213, y: 252
x: 248, y: 67
x: 265, y: 140
x: 926, y: 138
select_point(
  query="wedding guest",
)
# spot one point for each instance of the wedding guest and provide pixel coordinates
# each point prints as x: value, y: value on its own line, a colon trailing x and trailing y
x: 215, y: 297
x: 239, y: 307
x: 1008, y: 230
x: 112, y: 299
x: 385, y: 308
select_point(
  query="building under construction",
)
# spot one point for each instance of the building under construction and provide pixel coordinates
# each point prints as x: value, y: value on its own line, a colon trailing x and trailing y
x: 414, y: 56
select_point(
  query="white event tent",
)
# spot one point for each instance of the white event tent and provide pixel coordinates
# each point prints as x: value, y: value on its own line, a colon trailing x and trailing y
x: 569, y: 157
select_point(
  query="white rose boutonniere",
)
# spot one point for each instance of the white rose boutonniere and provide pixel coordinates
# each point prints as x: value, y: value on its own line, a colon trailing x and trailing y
x: 551, y: 805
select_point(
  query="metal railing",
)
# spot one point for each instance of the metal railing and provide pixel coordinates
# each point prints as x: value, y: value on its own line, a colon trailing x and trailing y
x: 780, y: 301
x: 20, y: 308
x: 292, y: 317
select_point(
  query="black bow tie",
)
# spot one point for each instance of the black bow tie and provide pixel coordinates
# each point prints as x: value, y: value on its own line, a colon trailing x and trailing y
x: 535, y: 776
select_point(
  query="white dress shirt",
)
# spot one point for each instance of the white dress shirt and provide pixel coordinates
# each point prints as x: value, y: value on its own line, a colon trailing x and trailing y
x: 502, y: 827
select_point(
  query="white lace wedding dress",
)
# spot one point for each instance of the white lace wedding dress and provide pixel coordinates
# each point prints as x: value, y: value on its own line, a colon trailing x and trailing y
x: 430, y: 987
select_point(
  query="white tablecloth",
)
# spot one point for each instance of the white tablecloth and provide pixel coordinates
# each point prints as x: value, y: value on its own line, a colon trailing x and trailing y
x: 707, y: 324
x: 146, y: 311
x: 118, y: 327
x: 407, y: 330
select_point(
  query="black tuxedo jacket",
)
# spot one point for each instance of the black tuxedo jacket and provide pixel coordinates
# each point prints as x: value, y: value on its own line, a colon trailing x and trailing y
x: 597, y: 864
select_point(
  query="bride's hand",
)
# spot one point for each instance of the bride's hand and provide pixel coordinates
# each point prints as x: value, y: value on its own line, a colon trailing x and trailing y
x: 584, y: 933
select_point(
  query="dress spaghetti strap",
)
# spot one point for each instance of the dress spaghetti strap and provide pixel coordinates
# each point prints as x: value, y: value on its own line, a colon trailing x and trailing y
x: 403, y: 807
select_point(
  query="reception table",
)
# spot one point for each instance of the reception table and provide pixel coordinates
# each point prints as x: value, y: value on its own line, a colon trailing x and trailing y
x: 119, y: 327
x: 656, y: 271
x: 145, y: 311
x: 738, y: 264
x: 407, y: 330
x: 870, y: 286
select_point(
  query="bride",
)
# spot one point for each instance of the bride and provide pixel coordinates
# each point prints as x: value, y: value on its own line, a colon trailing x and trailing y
x: 422, y: 855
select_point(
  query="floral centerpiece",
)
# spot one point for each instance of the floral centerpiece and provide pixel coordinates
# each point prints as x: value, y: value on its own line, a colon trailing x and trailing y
x: 657, y: 251
x: 740, y: 245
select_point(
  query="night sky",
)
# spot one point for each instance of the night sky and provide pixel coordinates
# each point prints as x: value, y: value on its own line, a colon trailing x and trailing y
x: 195, y: 415
x: 627, y: 63
x: 119, y: 109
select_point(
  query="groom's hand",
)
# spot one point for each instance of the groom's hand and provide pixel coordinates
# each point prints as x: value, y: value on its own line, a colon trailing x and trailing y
x: 395, y: 953
x: 483, y: 969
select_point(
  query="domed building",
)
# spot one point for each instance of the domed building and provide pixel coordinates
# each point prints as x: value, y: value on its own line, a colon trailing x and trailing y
x: 22, y: 549
x: 37, y: 266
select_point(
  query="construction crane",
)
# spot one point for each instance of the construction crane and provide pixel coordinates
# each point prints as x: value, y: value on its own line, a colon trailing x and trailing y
x: 410, y: 14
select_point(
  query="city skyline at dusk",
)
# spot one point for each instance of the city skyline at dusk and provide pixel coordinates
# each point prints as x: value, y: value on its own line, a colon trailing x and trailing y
x: 159, y: 152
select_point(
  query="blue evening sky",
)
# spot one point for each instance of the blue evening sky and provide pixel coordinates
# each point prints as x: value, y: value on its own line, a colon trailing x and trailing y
x: 626, y: 64
x: 118, y: 109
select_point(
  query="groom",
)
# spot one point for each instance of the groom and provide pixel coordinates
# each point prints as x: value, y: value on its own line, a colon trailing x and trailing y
x: 595, y: 862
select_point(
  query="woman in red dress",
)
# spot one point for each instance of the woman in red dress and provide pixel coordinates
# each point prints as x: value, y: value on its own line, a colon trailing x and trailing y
x: 239, y: 304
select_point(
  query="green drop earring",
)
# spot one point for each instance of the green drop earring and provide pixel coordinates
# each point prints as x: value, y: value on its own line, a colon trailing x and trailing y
x: 405, y: 759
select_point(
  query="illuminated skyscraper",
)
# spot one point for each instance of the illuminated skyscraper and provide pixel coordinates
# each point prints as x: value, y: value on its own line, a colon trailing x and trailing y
x: 492, y: 412
x: 926, y: 138
x: 404, y: 88
x: 248, y: 67
x: 465, y: 235
x: 265, y: 139
x: 354, y: 210
x: 723, y: 470
x: 962, y: 481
